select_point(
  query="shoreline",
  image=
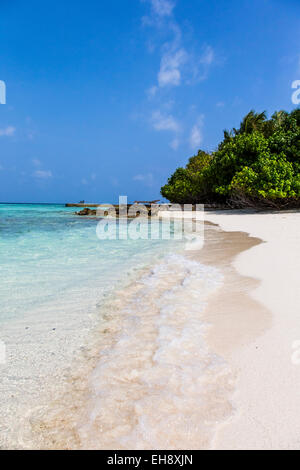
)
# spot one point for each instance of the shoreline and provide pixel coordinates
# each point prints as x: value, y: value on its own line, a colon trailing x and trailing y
x: 236, y: 317
x: 268, y: 379
x: 222, y: 384
x: 150, y: 382
x: 237, y: 333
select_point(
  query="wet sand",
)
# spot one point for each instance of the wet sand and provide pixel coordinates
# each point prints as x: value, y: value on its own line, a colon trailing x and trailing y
x: 136, y: 389
x: 235, y: 316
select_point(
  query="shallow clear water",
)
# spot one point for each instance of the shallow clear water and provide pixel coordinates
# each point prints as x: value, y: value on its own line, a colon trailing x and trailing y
x: 47, y: 252
x: 158, y: 386
x: 131, y: 310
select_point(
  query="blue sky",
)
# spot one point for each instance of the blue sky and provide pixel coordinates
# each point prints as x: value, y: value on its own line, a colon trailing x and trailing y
x: 109, y: 97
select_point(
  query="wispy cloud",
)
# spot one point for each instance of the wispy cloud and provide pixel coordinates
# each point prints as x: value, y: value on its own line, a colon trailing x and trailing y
x: 206, y: 60
x: 174, y: 144
x: 183, y: 61
x: 146, y: 179
x: 86, y: 180
x: 7, y: 131
x: 170, y: 67
x: 179, y: 63
x: 196, y: 133
x: 208, y: 56
x: 36, y: 162
x: 43, y: 174
x: 152, y: 91
x: 164, y: 122
x: 162, y: 7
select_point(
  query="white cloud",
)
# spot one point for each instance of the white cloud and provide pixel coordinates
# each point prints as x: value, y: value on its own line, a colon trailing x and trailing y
x: 152, y: 91
x: 174, y: 144
x: 162, y: 7
x: 147, y: 179
x: 204, y: 63
x: 179, y: 64
x: 139, y: 178
x: 42, y: 174
x: 85, y: 181
x: 195, y: 137
x: 36, y: 162
x: 170, y: 67
x: 183, y: 61
x: 196, y: 133
x: 164, y: 122
x: 208, y: 56
x: 7, y: 131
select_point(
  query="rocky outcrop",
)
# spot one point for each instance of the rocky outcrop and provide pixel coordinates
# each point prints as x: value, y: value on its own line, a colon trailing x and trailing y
x: 87, y: 211
x: 132, y: 211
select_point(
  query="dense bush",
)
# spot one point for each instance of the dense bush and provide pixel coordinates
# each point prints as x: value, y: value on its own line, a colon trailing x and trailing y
x: 259, y: 163
x: 188, y: 185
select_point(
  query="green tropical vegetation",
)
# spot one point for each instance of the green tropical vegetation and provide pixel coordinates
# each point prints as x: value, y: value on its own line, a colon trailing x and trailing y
x: 255, y: 165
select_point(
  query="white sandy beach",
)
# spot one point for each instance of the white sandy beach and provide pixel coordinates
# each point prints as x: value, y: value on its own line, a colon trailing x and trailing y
x: 267, y: 402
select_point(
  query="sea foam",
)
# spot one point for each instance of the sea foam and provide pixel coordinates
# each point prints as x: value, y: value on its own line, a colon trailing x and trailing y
x: 157, y: 385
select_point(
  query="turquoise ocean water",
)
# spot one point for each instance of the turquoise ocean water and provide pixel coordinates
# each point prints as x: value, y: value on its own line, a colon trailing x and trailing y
x: 48, y: 253
x: 129, y: 311
x: 55, y: 275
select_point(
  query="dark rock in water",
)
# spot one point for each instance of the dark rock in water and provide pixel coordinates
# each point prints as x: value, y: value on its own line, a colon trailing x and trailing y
x: 86, y: 211
x: 131, y: 212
